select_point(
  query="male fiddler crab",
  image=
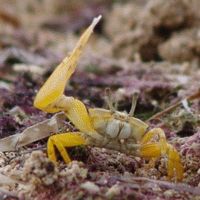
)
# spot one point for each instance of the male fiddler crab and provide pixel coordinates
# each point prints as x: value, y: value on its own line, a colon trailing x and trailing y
x: 99, y: 127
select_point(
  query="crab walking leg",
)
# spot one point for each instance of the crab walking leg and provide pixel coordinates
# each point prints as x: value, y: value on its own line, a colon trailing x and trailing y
x: 54, y: 87
x: 156, y: 149
x: 62, y: 141
x: 174, y: 166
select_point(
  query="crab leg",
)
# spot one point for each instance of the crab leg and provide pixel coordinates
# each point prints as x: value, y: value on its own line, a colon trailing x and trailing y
x: 174, y: 166
x: 61, y: 141
x: 151, y: 150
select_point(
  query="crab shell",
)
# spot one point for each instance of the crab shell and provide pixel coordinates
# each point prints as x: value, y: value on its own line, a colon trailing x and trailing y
x: 118, y: 129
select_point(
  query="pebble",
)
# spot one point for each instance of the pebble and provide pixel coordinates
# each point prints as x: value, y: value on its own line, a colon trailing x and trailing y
x: 90, y: 187
x: 169, y: 193
x: 113, y: 191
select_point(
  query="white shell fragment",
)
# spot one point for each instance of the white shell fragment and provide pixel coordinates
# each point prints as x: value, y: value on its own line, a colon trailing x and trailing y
x: 186, y: 105
x: 90, y: 187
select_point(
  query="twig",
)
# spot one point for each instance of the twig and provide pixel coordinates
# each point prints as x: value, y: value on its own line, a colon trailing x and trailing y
x: 176, y: 104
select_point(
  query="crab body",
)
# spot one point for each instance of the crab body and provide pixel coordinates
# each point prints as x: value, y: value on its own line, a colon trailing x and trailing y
x: 118, y: 130
x: 100, y: 127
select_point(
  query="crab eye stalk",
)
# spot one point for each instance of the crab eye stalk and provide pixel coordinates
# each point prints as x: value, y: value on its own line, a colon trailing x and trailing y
x: 109, y: 100
x: 134, y: 102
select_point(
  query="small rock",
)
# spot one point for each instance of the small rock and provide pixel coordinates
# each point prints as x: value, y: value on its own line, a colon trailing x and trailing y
x: 90, y: 187
x: 34, y: 69
x: 38, y: 169
x: 113, y: 191
x: 169, y: 193
x: 75, y: 172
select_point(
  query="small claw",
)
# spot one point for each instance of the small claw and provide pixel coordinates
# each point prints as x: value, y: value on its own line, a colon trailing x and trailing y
x: 159, y: 133
x: 54, y: 87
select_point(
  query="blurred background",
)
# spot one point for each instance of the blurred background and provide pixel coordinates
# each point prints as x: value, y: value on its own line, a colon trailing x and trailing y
x: 151, y: 30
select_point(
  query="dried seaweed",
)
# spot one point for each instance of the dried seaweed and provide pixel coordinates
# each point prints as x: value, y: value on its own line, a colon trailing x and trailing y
x: 33, y: 133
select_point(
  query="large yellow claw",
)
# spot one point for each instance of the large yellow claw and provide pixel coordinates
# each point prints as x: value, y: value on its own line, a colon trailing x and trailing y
x: 54, y: 87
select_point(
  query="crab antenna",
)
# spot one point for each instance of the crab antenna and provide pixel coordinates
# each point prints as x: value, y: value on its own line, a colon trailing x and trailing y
x: 134, y: 102
x: 108, y: 99
x: 116, y: 105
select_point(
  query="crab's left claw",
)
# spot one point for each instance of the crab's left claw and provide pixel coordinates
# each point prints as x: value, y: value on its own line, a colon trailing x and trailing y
x: 54, y: 87
x: 159, y: 148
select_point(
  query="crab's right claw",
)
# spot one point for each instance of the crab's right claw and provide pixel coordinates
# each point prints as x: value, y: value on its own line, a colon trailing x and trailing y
x: 54, y: 87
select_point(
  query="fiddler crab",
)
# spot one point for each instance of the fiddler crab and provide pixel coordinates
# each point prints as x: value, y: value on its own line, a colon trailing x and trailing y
x: 99, y: 127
